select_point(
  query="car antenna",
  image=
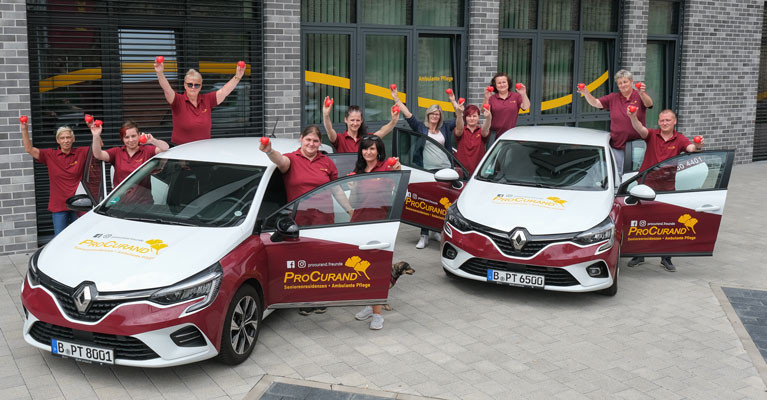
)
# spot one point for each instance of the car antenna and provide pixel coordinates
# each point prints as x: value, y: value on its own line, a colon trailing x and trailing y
x: 275, y: 126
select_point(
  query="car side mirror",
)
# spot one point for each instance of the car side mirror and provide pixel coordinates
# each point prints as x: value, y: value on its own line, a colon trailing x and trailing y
x: 80, y: 202
x: 285, y: 229
x: 640, y: 192
x: 448, y: 175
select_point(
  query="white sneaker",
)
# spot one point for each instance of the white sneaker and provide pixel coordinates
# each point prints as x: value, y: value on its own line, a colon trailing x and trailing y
x: 377, y: 322
x: 423, y: 242
x: 366, y: 313
x: 435, y: 235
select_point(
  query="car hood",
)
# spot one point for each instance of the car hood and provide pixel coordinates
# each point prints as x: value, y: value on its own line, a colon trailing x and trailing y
x: 119, y: 255
x: 540, y: 211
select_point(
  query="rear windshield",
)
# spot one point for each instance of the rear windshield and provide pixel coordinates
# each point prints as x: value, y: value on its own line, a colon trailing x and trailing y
x: 550, y: 165
x: 183, y: 192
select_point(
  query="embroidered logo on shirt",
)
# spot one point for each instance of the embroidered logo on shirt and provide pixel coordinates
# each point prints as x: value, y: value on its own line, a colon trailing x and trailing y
x: 73, y: 163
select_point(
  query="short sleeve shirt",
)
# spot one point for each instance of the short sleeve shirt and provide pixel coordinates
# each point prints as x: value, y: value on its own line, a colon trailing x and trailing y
x: 305, y: 175
x: 64, y: 174
x: 125, y: 164
x: 621, y: 130
x: 367, y: 199
x: 505, y: 111
x: 659, y: 149
x: 470, y: 148
x: 192, y: 123
x: 345, y: 143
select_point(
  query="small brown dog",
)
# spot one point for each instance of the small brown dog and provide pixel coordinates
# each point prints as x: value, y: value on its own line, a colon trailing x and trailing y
x: 398, y: 269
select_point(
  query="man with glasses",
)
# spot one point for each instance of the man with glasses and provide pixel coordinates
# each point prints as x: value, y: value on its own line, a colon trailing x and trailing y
x: 191, y: 111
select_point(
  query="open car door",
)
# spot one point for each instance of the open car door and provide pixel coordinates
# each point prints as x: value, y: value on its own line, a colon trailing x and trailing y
x: 427, y: 199
x: 92, y: 188
x: 683, y: 219
x: 320, y: 255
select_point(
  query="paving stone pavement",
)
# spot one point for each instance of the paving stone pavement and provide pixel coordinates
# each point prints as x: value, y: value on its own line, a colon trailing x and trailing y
x: 664, y: 336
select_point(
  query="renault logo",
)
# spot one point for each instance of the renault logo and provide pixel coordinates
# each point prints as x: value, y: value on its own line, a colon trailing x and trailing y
x: 83, y: 297
x: 518, y: 239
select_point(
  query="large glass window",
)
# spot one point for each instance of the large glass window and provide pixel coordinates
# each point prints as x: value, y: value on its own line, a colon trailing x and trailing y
x: 760, y: 136
x: 435, y: 73
x: 385, y: 57
x: 551, y: 46
x: 328, y: 69
x: 662, y: 54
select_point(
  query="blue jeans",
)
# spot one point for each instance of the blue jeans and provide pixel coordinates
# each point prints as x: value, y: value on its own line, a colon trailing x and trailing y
x: 61, y: 220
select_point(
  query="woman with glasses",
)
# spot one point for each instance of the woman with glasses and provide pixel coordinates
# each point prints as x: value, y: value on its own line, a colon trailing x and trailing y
x: 347, y: 142
x: 433, y: 157
x: 191, y: 110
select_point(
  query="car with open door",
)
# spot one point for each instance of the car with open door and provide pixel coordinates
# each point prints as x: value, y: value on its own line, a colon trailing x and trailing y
x: 542, y: 211
x: 183, y: 259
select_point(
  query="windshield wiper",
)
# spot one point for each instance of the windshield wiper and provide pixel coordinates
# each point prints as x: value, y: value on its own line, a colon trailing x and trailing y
x: 159, y: 221
x: 530, y: 184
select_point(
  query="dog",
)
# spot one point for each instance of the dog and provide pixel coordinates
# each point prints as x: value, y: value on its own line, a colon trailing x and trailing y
x: 398, y: 269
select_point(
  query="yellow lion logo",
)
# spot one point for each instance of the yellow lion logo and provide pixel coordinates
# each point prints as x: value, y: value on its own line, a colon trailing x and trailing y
x: 156, y: 244
x: 445, y: 202
x: 360, y: 266
x: 689, y: 222
x: 557, y: 200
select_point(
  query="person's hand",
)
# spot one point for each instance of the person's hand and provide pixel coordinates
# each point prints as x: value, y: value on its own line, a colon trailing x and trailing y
x: 583, y: 91
x: 397, y: 166
x: 149, y: 137
x: 240, y: 72
x: 488, y: 95
x: 326, y: 108
x: 522, y: 89
x: 459, y: 107
x: 95, y: 130
x: 395, y: 111
x: 486, y: 112
x: 451, y: 96
x: 266, y: 148
x: 632, y: 114
x: 394, y: 95
x: 159, y: 68
x: 699, y: 145
x: 642, y: 87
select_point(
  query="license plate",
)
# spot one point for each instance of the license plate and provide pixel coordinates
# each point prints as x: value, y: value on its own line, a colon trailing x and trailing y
x: 515, y: 278
x: 82, y: 352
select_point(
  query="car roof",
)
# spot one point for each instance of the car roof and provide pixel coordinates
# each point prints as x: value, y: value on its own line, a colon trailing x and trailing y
x: 558, y: 134
x: 239, y: 150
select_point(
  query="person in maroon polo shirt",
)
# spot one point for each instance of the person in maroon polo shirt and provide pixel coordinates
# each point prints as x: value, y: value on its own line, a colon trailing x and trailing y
x: 191, y: 111
x: 367, y: 198
x: 65, y: 170
x: 302, y: 171
x: 505, y: 104
x: 662, y: 144
x: 347, y: 142
x: 470, y: 138
x: 131, y: 155
x: 621, y: 130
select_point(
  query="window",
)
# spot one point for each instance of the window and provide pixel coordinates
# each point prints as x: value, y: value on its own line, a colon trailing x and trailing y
x: 663, y: 41
x: 352, y: 50
x: 551, y: 46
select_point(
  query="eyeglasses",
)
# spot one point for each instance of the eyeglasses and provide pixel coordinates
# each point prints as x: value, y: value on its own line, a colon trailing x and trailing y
x: 193, y: 85
x: 372, y: 137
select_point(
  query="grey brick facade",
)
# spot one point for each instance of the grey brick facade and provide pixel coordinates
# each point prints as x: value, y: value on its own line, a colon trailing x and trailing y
x: 282, y: 52
x: 720, y: 68
x: 483, y: 47
x: 18, y: 231
x: 634, y: 43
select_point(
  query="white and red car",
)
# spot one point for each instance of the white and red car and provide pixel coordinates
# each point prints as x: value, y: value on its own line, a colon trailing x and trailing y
x: 183, y: 260
x: 542, y: 211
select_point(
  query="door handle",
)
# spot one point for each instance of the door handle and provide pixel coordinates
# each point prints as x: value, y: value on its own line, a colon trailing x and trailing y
x: 374, y: 245
x: 707, y: 207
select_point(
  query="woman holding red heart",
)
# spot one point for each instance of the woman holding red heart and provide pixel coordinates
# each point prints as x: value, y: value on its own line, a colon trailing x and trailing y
x: 65, y: 170
x: 191, y: 111
x: 131, y: 154
x: 470, y: 138
x: 505, y: 104
x: 371, y: 199
x: 348, y: 141
x: 621, y: 130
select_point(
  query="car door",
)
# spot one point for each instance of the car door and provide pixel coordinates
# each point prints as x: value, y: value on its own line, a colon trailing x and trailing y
x: 427, y: 199
x: 319, y: 255
x: 683, y: 219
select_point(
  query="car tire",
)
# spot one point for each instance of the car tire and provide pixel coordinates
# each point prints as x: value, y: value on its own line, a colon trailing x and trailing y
x: 241, y: 326
x: 613, y: 289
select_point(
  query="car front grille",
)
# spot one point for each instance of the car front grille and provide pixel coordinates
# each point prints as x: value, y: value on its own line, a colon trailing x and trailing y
x: 554, y: 276
x: 530, y: 248
x: 64, y: 296
x: 125, y: 347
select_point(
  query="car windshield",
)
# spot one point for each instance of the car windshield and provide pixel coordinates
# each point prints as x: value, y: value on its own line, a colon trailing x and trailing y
x: 541, y: 164
x: 184, y: 192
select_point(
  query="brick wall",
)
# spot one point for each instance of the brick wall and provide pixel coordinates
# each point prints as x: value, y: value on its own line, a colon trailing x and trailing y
x: 483, y: 47
x: 282, y: 72
x: 18, y: 232
x: 634, y: 44
x: 720, y: 69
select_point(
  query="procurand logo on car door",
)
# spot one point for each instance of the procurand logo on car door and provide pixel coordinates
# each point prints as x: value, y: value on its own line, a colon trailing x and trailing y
x: 681, y: 229
x: 322, y: 279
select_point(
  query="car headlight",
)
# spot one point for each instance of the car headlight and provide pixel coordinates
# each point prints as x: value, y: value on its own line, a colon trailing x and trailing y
x: 455, y: 218
x: 604, y: 231
x: 203, y: 285
x: 33, y: 274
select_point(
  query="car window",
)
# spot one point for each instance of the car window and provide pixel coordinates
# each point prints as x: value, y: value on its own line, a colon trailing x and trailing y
x: 541, y: 164
x: 416, y: 150
x: 686, y: 172
x: 186, y: 192
x: 637, y: 148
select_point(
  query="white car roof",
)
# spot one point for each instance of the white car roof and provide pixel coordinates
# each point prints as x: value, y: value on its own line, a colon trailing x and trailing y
x: 238, y: 150
x: 558, y: 134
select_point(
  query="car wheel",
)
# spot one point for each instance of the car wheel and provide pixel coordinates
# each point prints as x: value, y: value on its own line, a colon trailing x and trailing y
x: 613, y: 289
x: 241, y: 326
